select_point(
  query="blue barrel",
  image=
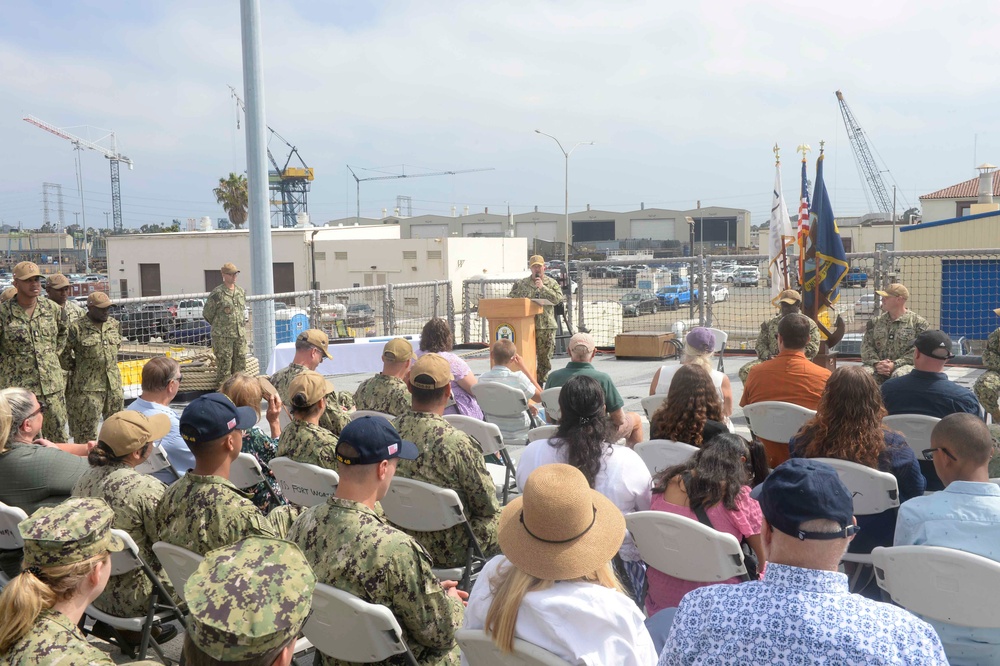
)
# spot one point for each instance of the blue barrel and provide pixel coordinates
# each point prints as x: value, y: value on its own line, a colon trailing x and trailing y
x: 286, y: 330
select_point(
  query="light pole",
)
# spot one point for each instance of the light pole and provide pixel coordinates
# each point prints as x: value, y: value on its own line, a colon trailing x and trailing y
x: 107, y: 224
x: 569, y: 233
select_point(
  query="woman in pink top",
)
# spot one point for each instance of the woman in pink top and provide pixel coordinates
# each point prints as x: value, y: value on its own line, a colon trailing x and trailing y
x: 716, y: 477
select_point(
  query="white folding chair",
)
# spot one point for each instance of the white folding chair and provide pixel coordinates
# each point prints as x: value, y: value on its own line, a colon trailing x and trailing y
x: 721, y: 337
x: 684, y: 548
x: 479, y: 649
x: 157, y: 461
x: 916, y: 428
x: 349, y: 629
x: 550, y: 399
x: 423, y: 507
x: 776, y: 421
x: 500, y: 400
x: 542, y: 432
x: 161, y: 606
x: 659, y: 454
x: 651, y: 403
x: 245, y: 472
x: 10, y: 536
x: 302, y: 483
x: 490, y: 440
x: 943, y: 584
x: 358, y: 413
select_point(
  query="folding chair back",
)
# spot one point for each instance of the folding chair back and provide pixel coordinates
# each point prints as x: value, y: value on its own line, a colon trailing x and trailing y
x: 652, y: 402
x: 358, y: 413
x: 245, y: 472
x: 422, y: 507
x: 684, y: 548
x: 10, y: 536
x: 721, y: 337
x: 346, y: 628
x: 302, y: 483
x: 498, y: 399
x: 873, y: 491
x: 157, y: 461
x: 943, y: 584
x: 542, y: 432
x: 487, y: 435
x: 478, y: 648
x: 916, y: 428
x: 775, y: 420
x: 179, y: 563
x: 659, y: 454
x: 550, y: 399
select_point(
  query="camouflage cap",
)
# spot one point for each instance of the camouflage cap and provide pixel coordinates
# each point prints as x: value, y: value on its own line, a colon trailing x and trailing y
x: 229, y: 269
x: 56, y: 281
x: 26, y: 270
x: 431, y: 371
x: 398, y: 349
x: 317, y: 339
x: 308, y: 388
x: 73, y: 531
x: 98, y: 299
x: 128, y: 430
x: 536, y: 260
x: 8, y: 294
x: 894, y: 289
x: 249, y: 598
x: 789, y: 296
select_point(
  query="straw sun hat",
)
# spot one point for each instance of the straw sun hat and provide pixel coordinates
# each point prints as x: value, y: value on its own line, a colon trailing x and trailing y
x: 560, y: 528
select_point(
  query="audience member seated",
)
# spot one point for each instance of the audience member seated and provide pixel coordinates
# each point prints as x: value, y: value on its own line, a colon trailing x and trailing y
x: 448, y: 459
x: 616, y: 472
x: 161, y: 379
x: 788, y: 377
x: 304, y: 440
x: 692, y: 412
x: 311, y: 347
x: 582, y: 350
x: 965, y: 515
x: 926, y: 389
x: 848, y: 426
x: 351, y: 546
x: 34, y: 474
x: 554, y: 585
x: 436, y: 338
x: 31, y: 435
x: 712, y: 488
x: 125, y: 441
x: 245, y: 391
x: 508, y: 369
x: 235, y: 621
x: 386, y: 392
x: 699, y: 348
x: 802, y: 611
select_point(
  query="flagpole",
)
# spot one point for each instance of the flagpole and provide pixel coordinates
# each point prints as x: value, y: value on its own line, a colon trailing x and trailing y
x: 783, y: 264
x: 803, y: 193
x: 816, y: 272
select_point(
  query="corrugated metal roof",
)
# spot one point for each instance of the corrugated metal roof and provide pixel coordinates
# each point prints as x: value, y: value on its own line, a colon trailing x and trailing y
x: 966, y: 190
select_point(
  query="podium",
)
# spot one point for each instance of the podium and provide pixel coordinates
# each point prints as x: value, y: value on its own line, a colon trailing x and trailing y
x: 513, y: 319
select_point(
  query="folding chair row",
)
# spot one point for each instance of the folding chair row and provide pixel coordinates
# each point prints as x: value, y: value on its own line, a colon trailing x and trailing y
x: 490, y: 440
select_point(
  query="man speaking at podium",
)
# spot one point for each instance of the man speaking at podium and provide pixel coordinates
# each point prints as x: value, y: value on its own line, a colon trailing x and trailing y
x: 539, y: 285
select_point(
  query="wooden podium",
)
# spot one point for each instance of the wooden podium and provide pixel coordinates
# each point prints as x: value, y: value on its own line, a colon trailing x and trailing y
x: 513, y: 319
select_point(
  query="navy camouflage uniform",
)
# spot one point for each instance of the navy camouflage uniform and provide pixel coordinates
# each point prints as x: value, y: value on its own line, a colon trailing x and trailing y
x: 545, y: 322
x: 338, y: 403
x: 95, y: 383
x: 383, y: 393
x: 224, y: 310
x: 892, y: 340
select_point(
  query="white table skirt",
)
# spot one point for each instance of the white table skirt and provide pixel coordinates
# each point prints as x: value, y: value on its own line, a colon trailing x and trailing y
x: 364, y: 355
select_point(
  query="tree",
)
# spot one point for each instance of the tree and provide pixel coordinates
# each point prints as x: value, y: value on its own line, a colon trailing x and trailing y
x: 910, y: 215
x: 232, y: 194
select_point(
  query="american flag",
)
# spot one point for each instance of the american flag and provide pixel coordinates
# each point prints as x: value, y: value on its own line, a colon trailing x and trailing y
x: 803, y: 221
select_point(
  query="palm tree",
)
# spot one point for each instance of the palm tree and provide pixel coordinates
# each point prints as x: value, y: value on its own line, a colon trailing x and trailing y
x: 232, y: 194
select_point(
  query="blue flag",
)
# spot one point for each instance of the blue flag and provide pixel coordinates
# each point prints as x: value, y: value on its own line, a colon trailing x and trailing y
x: 826, y: 261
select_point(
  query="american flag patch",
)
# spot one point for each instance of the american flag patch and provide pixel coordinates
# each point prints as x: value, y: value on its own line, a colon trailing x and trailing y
x: 393, y: 448
x: 232, y: 424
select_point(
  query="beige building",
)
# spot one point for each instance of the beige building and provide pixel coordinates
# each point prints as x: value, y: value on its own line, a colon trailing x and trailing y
x: 966, y: 198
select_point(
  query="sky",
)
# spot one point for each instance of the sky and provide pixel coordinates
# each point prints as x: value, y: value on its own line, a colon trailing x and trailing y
x: 683, y: 101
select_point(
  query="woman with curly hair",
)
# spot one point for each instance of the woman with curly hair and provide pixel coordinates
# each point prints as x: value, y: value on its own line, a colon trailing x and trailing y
x: 583, y: 441
x: 692, y: 412
x: 436, y: 338
x: 848, y: 426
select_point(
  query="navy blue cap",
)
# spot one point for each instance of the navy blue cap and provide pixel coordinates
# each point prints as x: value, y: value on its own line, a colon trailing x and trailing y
x: 213, y: 416
x: 801, y: 490
x: 375, y: 440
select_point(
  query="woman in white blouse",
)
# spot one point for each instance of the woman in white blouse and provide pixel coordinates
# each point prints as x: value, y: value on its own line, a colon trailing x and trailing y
x: 699, y: 348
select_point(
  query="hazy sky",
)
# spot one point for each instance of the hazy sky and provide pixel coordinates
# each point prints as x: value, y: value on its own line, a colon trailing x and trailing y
x: 683, y: 100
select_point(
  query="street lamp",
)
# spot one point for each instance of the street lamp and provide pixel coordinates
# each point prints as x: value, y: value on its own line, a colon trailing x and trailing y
x: 569, y: 234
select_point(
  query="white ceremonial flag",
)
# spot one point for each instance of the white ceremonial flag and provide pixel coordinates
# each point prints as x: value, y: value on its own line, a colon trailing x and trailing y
x: 780, y: 235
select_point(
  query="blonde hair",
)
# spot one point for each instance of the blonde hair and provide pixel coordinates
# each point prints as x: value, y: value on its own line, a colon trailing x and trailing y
x: 244, y: 391
x: 28, y: 594
x: 694, y: 356
x: 5, y: 422
x: 508, y: 590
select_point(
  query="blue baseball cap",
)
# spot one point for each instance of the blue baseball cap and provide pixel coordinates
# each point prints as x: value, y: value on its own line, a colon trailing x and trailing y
x: 802, y: 489
x: 212, y: 416
x: 375, y: 440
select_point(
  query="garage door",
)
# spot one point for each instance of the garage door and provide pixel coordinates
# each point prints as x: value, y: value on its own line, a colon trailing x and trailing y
x: 662, y: 229
x: 541, y: 230
x: 482, y: 229
x: 429, y: 231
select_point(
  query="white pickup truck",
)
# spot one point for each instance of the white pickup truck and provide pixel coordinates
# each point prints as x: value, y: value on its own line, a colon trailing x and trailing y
x: 190, y: 309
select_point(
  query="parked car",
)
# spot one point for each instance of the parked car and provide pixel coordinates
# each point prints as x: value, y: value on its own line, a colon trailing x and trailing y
x: 720, y: 293
x: 190, y: 308
x: 856, y: 277
x: 190, y: 332
x: 675, y: 295
x: 865, y: 305
x: 360, y: 314
x: 637, y: 302
x: 141, y: 325
x: 626, y: 279
x: 724, y: 275
x: 599, y: 272
x: 746, y: 277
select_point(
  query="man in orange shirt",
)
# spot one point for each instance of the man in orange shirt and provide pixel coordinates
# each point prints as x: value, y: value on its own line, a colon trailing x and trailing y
x: 788, y: 377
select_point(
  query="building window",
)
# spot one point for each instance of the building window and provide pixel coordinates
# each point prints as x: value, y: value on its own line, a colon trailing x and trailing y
x: 320, y: 256
x: 962, y: 208
x: 433, y: 254
x: 340, y: 256
x: 409, y: 255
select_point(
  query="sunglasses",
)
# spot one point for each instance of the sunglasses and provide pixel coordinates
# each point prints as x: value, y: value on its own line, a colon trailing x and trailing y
x: 928, y: 454
x: 41, y: 410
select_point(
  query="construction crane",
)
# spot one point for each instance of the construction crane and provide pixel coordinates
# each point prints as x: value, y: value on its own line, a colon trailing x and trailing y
x: 866, y: 163
x: 289, y: 185
x: 358, y: 181
x: 112, y: 154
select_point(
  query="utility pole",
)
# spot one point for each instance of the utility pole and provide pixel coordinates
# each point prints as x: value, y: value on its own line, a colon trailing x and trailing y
x: 894, y: 218
x: 107, y: 224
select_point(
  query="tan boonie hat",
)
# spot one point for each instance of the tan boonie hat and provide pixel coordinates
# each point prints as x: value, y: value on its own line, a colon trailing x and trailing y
x: 249, y: 599
x: 996, y: 311
x: 229, y: 269
x: 894, y: 289
x: 8, y: 294
x: 99, y: 299
x: 398, y: 349
x: 582, y: 340
x: 789, y: 296
x: 308, y: 388
x: 56, y: 281
x: 560, y: 528
x: 316, y: 338
x: 431, y: 371
x: 536, y: 260
x: 266, y: 387
x: 73, y: 531
x: 26, y: 270
x: 128, y: 431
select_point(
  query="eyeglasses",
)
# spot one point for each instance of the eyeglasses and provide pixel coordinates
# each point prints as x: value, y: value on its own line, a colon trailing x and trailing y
x: 177, y: 378
x: 41, y: 410
x: 928, y: 454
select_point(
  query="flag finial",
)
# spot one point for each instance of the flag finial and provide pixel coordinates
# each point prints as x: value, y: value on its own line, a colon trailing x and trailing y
x: 803, y: 148
x: 821, y: 144
x: 777, y: 155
